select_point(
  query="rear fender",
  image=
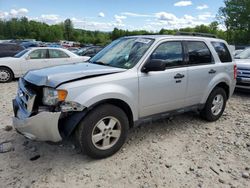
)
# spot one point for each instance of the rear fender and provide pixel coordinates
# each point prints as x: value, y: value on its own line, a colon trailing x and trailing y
x: 219, y: 78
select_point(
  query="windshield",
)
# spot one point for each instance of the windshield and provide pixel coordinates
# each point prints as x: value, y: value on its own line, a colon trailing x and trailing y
x: 244, y: 55
x: 123, y: 53
x: 20, y: 54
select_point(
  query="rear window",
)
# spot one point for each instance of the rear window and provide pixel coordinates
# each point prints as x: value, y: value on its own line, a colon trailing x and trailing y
x: 222, y: 52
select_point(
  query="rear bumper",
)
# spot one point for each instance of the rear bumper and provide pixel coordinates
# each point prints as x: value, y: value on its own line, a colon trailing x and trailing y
x: 42, y: 126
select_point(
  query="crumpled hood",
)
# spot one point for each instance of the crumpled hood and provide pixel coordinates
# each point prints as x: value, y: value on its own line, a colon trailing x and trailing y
x: 54, y: 76
x: 243, y: 63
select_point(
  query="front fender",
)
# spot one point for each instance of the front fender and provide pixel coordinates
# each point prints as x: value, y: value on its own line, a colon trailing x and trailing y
x: 98, y: 93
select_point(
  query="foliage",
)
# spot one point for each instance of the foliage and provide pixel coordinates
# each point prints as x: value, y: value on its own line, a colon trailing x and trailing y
x: 24, y: 29
x: 29, y: 29
x: 236, y: 18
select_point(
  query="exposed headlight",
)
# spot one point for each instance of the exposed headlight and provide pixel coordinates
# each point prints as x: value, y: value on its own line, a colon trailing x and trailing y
x: 71, y: 106
x: 53, y: 96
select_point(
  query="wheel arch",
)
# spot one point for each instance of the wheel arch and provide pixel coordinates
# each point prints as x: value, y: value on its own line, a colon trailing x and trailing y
x: 69, y: 124
x: 12, y: 72
x: 119, y: 103
x: 222, y: 84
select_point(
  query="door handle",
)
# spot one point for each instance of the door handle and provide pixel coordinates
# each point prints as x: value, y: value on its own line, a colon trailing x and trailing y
x: 212, y: 71
x: 179, y: 76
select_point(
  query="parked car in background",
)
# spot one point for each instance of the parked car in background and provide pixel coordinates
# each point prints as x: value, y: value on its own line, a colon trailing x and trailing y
x: 73, y: 49
x: 10, y: 49
x: 90, y: 51
x: 237, y: 52
x: 29, y: 44
x: 132, y: 80
x: 243, y: 66
x: 35, y: 58
x: 53, y: 45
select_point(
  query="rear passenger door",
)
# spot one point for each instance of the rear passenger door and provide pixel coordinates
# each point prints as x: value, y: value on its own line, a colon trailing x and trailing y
x: 201, y: 70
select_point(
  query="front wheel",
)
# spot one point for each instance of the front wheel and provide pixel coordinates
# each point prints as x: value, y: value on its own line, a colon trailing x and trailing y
x: 215, y: 105
x: 103, y: 131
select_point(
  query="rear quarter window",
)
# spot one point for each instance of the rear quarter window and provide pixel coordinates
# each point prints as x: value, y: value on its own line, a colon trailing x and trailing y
x: 222, y: 51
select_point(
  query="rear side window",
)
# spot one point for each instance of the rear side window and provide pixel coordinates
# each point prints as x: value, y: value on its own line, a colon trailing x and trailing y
x: 222, y: 52
x: 57, y: 54
x: 198, y: 53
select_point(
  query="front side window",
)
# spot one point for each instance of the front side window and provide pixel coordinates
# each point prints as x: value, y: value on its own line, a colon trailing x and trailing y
x: 222, y: 51
x: 170, y: 52
x: 57, y: 54
x: 38, y: 54
x: 123, y: 53
x: 198, y: 53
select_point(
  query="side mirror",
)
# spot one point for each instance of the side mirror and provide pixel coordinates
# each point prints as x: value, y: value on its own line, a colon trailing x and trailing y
x: 154, y: 65
x: 27, y: 57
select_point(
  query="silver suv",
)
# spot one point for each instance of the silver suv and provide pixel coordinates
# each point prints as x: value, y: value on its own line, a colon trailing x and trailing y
x: 132, y: 80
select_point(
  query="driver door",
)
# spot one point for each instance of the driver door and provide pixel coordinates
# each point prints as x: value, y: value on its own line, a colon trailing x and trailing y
x: 164, y: 90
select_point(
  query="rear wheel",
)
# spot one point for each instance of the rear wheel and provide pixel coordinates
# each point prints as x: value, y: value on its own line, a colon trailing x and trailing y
x: 6, y: 75
x: 103, y: 131
x: 215, y: 105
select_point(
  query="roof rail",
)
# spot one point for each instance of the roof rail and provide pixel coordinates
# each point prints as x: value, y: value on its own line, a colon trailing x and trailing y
x: 196, y: 34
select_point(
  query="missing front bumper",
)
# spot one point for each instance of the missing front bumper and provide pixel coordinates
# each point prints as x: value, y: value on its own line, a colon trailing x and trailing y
x: 42, y: 127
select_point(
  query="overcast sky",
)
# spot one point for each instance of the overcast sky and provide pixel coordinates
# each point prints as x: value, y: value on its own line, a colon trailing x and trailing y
x: 104, y: 15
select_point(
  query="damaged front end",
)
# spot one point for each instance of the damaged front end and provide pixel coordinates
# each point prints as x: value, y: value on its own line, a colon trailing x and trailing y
x: 41, y: 115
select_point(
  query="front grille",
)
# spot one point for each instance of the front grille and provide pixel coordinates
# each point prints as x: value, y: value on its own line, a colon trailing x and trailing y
x: 25, y: 97
x: 243, y: 73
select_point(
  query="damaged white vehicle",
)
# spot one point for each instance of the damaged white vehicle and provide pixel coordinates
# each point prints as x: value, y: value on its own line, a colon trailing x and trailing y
x: 132, y: 80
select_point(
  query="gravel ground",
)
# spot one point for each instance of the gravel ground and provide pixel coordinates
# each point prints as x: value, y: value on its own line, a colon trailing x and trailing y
x: 181, y: 152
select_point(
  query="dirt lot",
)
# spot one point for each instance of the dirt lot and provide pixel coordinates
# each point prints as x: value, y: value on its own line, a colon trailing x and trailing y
x: 182, y: 152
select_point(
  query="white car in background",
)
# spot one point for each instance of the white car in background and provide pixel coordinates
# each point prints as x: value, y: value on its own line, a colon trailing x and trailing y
x: 35, y: 58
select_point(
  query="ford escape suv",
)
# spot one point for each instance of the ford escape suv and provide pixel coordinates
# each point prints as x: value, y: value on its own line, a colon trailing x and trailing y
x: 131, y: 80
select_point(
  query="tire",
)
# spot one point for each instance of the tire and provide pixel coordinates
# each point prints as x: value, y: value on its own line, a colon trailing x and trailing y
x: 213, y: 108
x: 6, y: 75
x: 95, y: 131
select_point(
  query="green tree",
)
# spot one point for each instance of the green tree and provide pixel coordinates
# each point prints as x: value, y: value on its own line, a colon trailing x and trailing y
x: 236, y: 18
x: 68, y: 29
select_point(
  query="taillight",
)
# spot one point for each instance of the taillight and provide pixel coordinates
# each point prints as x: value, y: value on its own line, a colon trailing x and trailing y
x: 235, y: 72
